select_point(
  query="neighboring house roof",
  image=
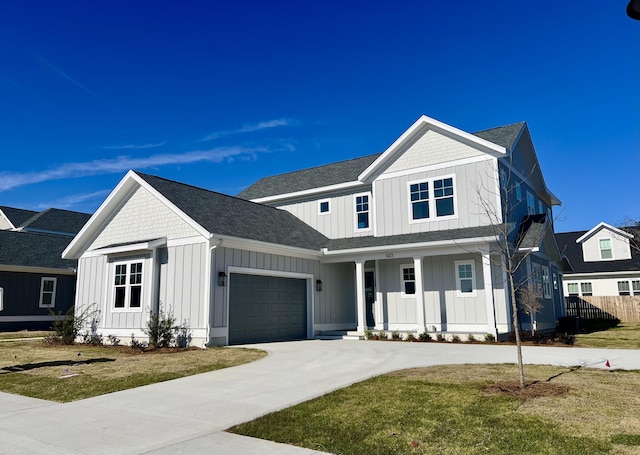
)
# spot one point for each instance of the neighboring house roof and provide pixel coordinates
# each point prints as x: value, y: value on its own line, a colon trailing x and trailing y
x: 56, y: 221
x: 17, y: 216
x: 350, y: 170
x: 572, y: 251
x: 227, y: 215
x: 27, y: 249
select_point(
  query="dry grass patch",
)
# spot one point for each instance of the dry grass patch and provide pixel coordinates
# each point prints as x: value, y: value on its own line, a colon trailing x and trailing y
x: 68, y: 373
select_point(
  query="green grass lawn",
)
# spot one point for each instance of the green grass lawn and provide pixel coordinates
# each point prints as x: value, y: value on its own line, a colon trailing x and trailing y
x: 68, y: 373
x: 625, y: 336
x: 446, y: 410
x: 25, y: 334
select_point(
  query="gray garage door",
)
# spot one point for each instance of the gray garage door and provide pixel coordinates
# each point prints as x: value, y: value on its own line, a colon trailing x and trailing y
x: 266, y: 308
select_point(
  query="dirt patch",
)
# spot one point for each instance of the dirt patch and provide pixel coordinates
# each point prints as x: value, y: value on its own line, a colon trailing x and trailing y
x: 530, y: 391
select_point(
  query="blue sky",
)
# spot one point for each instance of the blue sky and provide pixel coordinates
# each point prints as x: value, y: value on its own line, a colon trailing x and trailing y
x: 218, y: 94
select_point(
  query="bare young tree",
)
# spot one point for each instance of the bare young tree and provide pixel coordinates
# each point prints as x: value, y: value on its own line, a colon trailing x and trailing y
x: 632, y: 227
x: 530, y: 302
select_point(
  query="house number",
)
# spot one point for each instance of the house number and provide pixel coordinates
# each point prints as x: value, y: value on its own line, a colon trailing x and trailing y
x: 389, y: 255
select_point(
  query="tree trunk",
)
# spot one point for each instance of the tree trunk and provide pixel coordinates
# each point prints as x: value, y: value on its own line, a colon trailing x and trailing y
x: 516, y: 327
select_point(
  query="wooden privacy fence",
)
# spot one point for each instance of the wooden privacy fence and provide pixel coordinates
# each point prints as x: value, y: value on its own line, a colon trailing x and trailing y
x: 625, y: 308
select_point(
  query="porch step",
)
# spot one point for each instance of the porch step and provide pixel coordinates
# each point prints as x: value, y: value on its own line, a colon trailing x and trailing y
x: 339, y: 335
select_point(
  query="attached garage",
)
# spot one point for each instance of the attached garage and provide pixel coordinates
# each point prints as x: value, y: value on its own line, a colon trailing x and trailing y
x: 266, y: 308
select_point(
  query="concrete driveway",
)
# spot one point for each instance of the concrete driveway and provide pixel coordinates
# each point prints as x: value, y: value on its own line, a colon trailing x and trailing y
x: 189, y: 415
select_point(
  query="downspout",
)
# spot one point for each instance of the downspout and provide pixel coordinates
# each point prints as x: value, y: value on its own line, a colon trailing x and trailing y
x: 209, y: 288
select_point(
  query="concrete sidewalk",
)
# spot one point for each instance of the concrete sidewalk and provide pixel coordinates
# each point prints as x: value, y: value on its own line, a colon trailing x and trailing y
x: 189, y: 415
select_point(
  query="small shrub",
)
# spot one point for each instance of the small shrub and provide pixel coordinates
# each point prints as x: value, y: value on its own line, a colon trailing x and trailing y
x: 368, y: 334
x: 490, y: 338
x: 161, y: 329
x: 395, y: 335
x: 410, y: 337
x: 137, y: 345
x: 424, y: 336
x: 440, y: 337
x: 113, y: 340
x: 455, y: 338
x: 93, y: 339
x: 566, y: 338
x: 184, y: 336
x: 67, y: 326
x: 382, y: 335
x: 471, y: 338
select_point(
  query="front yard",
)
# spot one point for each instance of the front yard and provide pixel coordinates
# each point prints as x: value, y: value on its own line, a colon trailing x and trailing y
x: 68, y: 373
x: 625, y: 336
x: 458, y: 409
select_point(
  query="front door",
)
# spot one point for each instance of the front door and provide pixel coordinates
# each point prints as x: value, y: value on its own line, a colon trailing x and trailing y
x: 369, y: 296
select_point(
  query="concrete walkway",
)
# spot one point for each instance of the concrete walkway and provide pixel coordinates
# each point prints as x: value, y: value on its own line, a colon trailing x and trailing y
x: 189, y: 415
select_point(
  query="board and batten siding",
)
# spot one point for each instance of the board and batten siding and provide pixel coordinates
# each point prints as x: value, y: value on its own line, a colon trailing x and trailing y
x: 142, y: 217
x: 340, y: 222
x: 91, y: 287
x: 393, y: 205
x: 334, y: 304
x: 620, y: 248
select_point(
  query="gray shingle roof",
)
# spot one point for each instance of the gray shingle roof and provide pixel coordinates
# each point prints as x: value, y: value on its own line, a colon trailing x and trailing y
x: 17, y: 216
x: 27, y: 249
x: 573, y: 252
x: 57, y: 221
x: 348, y: 171
x: 404, y: 239
x: 531, y: 232
x: 232, y: 216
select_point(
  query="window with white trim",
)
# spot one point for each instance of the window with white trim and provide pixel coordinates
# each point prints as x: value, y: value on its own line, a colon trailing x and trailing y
x: 323, y: 207
x: 605, y: 249
x: 128, y: 285
x: 586, y: 289
x: 443, y: 195
x: 362, y: 211
x: 572, y: 289
x: 635, y: 286
x: 546, y: 283
x: 623, y: 288
x: 48, y: 292
x: 437, y: 204
x: 531, y: 203
x: 537, y: 278
x: 465, y: 278
x: 419, y: 196
x: 408, y: 281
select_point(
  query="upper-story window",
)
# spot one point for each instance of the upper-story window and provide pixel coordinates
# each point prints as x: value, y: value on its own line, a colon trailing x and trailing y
x: 540, y: 207
x: 128, y: 285
x: 519, y: 191
x: 323, y: 207
x: 605, y: 249
x: 531, y: 204
x: 419, y: 195
x: 362, y: 211
x: 503, y: 179
x: 440, y: 202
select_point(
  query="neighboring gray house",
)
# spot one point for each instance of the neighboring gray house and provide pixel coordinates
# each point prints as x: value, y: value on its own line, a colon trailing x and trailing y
x: 34, y: 279
x: 393, y: 241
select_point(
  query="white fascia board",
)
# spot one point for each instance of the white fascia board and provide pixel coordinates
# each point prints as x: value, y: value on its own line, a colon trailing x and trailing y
x: 418, y: 127
x: 597, y: 275
x: 40, y: 270
x: 412, y: 246
x: 140, y: 246
x: 604, y: 225
x: 2, y: 215
x: 227, y: 241
x: 309, y: 192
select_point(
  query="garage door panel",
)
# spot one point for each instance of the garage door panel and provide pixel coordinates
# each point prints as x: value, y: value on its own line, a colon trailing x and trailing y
x: 266, y: 308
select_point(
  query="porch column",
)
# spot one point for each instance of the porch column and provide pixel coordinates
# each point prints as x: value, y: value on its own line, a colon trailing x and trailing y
x: 488, y: 294
x: 379, y: 316
x: 417, y: 267
x: 360, y: 300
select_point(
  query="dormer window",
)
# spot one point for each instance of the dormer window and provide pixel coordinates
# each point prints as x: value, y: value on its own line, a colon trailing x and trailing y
x: 605, y: 249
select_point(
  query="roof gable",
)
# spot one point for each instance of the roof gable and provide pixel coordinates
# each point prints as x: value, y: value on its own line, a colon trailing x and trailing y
x: 56, y: 221
x: 603, y: 226
x: 16, y: 217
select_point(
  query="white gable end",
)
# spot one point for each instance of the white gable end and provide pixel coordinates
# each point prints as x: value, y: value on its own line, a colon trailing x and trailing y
x: 432, y: 148
x: 143, y: 217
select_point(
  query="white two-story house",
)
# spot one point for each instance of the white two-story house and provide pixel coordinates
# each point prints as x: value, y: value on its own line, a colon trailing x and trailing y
x: 401, y: 240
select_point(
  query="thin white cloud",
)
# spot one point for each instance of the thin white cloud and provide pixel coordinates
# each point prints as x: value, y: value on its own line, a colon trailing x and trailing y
x: 62, y: 74
x: 73, y: 200
x: 133, y: 146
x: 250, y: 128
x: 9, y: 180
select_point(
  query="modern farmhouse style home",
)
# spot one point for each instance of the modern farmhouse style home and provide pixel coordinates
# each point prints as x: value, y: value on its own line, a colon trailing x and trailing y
x: 401, y: 240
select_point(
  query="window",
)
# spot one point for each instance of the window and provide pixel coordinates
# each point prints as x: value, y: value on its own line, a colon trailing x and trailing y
x: 408, y: 281
x: 503, y: 179
x: 362, y: 211
x: 572, y: 288
x: 464, y: 278
x: 537, y: 278
x: 419, y: 195
x: 605, y: 249
x: 546, y: 283
x: 323, y: 207
x: 623, y: 288
x: 443, y: 194
x: 635, y: 285
x: 128, y: 285
x: 586, y: 289
x: 540, y: 207
x: 48, y: 292
x: 519, y: 191
x: 531, y: 203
